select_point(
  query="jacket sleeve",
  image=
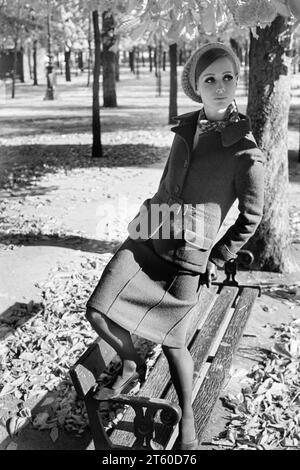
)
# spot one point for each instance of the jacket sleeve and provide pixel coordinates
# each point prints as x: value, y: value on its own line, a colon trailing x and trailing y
x: 167, y: 164
x: 249, y: 187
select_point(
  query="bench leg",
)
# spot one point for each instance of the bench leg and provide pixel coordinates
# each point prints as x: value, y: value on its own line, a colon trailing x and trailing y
x: 99, y: 435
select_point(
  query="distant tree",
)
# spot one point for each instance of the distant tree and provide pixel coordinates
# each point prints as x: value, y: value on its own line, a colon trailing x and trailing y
x: 109, y: 60
x: 14, y: 19
x: 173, y: 83
x: 97, y: 145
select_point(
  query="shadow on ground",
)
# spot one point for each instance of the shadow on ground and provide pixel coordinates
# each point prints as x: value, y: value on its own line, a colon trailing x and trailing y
x: 30, y: 438
x: 23, y: 165
x: 72, y: 242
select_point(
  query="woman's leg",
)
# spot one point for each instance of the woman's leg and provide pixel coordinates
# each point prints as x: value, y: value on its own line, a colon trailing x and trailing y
x: 119, y: 339
x: 182, y: 369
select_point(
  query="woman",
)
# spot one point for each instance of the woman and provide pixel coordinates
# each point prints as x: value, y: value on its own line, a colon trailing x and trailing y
x: 151, y: 284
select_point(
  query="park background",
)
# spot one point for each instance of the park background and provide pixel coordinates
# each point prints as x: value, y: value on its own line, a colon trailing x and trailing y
x: 68, y: 192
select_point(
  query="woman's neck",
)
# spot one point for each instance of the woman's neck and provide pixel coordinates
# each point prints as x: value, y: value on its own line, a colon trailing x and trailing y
x: 215, y: 115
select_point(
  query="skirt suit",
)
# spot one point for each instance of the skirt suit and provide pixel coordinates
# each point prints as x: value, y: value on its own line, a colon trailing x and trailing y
x: 146, y: 294
x: 150, y: 287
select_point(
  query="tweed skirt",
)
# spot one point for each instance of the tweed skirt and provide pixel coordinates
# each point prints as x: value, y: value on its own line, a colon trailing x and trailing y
x: 147, y: 295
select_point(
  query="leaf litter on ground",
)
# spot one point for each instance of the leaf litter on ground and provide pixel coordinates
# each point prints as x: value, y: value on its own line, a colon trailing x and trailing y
x: 37, y: 353
x: 265, y: 414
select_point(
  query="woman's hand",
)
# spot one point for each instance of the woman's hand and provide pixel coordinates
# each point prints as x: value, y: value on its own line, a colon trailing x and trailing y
x: 210, y: 273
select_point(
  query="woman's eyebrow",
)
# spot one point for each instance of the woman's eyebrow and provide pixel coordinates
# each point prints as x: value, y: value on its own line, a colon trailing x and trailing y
x: 209, y: 74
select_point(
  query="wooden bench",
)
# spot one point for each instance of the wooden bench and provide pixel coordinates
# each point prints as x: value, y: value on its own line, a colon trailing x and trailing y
x: 150, y: 421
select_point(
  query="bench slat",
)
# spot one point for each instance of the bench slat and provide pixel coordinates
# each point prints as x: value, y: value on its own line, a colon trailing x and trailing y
x: 211, y: 386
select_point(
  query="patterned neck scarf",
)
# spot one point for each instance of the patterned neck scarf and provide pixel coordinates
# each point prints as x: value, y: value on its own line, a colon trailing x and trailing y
x: 204, y: 125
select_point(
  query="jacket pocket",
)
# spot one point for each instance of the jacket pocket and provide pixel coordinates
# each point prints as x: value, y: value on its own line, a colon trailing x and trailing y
x: 141, y: 227
x: 196, y: 240
x: 138, y: 226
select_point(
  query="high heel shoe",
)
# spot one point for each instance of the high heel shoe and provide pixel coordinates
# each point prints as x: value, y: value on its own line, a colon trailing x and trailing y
x: 192, y: 445
x: 182, y: 445
x: 128, y: 385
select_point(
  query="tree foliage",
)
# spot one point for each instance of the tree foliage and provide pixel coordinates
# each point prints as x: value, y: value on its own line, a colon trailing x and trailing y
x: 174, y: 20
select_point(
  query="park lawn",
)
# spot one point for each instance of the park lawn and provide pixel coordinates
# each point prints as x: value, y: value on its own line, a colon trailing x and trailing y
x: 63, y: 215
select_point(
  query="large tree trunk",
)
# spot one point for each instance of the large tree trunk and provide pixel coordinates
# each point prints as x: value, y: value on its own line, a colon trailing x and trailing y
x: 268, y: 108
x: 173, y: 83
x: 109, y: 61
x: 97, y: 146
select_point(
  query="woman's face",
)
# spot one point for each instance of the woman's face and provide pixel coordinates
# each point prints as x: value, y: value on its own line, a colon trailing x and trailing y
x: 216, y: 86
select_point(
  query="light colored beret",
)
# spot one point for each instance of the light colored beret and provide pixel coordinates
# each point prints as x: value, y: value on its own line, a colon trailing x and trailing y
x: 188, y: 75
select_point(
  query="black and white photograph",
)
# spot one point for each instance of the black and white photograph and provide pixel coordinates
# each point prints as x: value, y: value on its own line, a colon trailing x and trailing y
x: 150, y: 228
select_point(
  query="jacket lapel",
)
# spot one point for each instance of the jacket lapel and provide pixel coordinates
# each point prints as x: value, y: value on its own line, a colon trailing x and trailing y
x: 235, y: 131
x: 187, y: 127
x: 229, y: 135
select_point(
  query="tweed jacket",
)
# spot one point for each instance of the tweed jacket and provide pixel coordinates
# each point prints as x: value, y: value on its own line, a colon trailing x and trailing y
x: 200, y: 185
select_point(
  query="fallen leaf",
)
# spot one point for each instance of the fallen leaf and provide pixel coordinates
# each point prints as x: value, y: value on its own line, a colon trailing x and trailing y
x: 48, y: 401
x: 27, y: 356
x: 12, y: 446
x: 54, y: 434
x: 10, y: 387
x: 40, y: 420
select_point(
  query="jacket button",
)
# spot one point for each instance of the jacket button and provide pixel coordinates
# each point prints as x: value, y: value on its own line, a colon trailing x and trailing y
x: 185, y: 164
x: 177, y: 189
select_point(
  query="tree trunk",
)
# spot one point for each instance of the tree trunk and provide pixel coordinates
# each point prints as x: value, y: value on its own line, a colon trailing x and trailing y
x: 173, y: 83
x: 164, y: 60
x: 268, y: 108
x: 14, y: 71
x: 150, y: 58
x: 90, y: 51
x: 80, y: 61
x: 49, y: 95
x: 29, y: 51
x: 132, y: 61
x: 21, y: 64
x: 180, y: 57
x: 158, y: 68
x: 97, y: 146
x: 67, y: 65
x: 35, y: 80
x: 118, y: 66
x: 109, y: 61
x: 137, y: 61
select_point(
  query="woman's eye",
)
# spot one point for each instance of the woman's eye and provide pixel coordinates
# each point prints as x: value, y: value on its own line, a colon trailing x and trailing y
x: 209, y: 80
x: 228, y: 77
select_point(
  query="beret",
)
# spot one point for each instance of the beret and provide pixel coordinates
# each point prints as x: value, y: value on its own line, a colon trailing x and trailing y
x: 188, y: 74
